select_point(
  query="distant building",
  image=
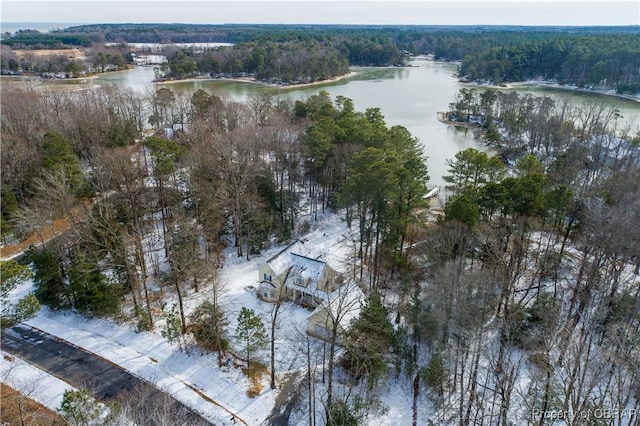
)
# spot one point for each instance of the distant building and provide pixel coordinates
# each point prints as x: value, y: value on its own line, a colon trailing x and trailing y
x: 149, y: 59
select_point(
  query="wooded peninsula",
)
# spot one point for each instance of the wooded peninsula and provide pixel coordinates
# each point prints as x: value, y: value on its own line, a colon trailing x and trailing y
x: 590, y: 57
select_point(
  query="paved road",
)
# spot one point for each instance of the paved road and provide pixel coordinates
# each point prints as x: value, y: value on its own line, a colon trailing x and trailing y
x: 82, y: 369
x: 287, y: 400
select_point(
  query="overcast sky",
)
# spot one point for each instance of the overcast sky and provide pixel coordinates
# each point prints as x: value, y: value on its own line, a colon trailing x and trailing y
x: 425, y: 12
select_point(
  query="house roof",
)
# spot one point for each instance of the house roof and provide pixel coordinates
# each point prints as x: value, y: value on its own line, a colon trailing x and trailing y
x: 310, y: 271
x: 344, y: 303
x: 282, y: 261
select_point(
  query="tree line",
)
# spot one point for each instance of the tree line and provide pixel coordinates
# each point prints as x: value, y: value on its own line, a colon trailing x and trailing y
x: 291, y: 62
x: 594, y: 61
x: 594, y: 57
x: 36, y: 39
x: 96, y: 59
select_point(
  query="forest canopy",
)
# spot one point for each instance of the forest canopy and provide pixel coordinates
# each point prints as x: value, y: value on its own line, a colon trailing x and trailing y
x: 596, y: 61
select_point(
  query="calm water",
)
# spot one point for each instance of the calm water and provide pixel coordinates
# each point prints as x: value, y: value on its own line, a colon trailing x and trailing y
x: 406, y: 96
x: 410, y: 97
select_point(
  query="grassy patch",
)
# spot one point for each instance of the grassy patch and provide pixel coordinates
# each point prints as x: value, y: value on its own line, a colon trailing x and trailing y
x: 254, y: 372
x: 19, y: 409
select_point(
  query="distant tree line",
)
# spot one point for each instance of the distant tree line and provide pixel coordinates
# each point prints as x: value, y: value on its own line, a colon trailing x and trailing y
x: 596, y: 61
x: 447, y: 42
x: 518, y: 125
x: 96, y: 59
x: 37, y: 40
x: 598, y: 57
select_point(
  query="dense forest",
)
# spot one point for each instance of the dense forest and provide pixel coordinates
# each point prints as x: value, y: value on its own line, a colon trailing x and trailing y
x: 524, y: 295
x: 34, y: 38
x: 586, y: 61
x: 293, y: 62
x: 593, y: 57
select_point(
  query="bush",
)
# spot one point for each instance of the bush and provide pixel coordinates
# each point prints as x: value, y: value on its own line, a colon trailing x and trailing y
x: 208, y: 324
x: 341, y: 415
x: 254, y: 372
x: 144, y: 323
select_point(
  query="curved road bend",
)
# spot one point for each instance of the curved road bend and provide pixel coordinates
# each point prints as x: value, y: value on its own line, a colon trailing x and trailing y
x: 82, y: 369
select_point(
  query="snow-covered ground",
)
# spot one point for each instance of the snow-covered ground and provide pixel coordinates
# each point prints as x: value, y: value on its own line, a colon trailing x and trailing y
x: 194, y: 377
x: 149, y: 356
x: 216, y: 392
x: 32, y: 382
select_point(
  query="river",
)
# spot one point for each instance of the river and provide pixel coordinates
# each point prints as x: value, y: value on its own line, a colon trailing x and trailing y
x: 409, y: 96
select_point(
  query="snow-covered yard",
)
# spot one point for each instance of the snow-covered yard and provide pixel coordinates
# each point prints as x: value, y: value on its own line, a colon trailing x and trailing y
x: 194, y: 377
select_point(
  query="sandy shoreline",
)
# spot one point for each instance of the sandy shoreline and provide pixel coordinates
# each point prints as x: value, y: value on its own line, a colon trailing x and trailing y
x: 261, y: 83
x: 551, y: 85
x: 83, y: 77
x: 635, y: 98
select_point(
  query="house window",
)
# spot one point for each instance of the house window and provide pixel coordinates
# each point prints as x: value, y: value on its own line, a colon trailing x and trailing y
x: 265, y: 294
x: 299, y: 280
x: 267, y: 277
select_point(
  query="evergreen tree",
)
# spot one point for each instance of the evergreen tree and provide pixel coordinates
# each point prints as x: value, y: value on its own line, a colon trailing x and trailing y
x: 92, y: 292
x: 368, y: 341
x: 48, y: 278
x: 463, y: 209
x: 472, y: 169
x: 251, y: 334
x: 209, y: 326
x: 340, y: 414
x: 173, y: 326
x: 435, y: 374
x: 11, y: 275
x: 78, y: 408
x: 59, y: 156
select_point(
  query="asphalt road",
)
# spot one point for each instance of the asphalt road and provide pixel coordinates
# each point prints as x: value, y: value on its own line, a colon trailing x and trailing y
x: 287, y: 400
x: 82, y: 369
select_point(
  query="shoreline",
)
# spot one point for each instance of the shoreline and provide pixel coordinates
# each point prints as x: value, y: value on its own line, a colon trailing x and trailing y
x: 441, y: 115
x: 252, y: 80
x: 552, y: 85
x: 75, y: 79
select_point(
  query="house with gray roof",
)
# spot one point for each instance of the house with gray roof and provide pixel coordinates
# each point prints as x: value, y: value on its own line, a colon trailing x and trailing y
x: 294, y: 274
